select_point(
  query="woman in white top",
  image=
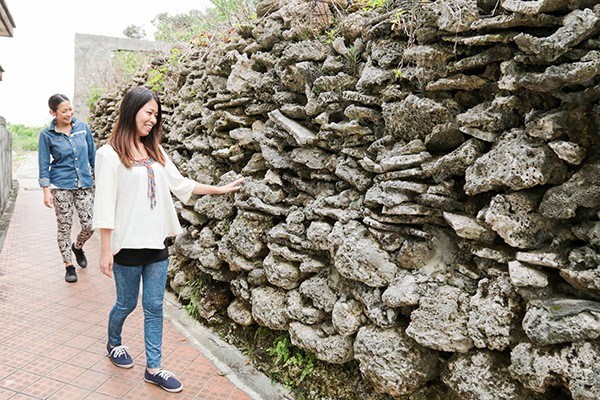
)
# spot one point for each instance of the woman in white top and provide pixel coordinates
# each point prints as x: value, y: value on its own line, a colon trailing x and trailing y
x: 134, y: 212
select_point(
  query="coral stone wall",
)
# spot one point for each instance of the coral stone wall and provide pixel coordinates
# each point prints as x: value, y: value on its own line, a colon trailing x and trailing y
x: 422, y: 188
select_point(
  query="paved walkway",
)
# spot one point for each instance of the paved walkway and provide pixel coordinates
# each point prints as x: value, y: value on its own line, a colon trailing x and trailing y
x: 53, y: 334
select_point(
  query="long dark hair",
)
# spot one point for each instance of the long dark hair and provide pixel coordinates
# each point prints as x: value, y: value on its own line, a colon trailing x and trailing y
x: 55, y: 100
x: 125, y: 128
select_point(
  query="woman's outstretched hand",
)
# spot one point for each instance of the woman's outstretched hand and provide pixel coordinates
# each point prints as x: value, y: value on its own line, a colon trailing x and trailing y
x: 211, y: 189
x: 231, y: 187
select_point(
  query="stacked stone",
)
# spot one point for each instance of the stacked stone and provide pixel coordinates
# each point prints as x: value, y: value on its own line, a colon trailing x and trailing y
x: 422, y: 190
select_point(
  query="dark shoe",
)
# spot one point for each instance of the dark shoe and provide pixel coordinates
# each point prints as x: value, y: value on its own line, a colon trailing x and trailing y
x: 165, y: 380
x: 119, y: 356
x: 80, y: 256
x: 70, y: 275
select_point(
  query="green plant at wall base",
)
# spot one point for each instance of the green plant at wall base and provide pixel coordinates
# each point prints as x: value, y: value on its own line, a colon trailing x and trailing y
x: 292, y: 357
x: 191, y: 309
x: 262, y: 330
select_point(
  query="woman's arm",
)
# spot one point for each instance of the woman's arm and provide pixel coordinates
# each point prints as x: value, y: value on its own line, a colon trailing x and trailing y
x: 91, y: 148
x: 44, y: 169
x: 106, y: 256
x: 48, y: 198
x: 201, y: 188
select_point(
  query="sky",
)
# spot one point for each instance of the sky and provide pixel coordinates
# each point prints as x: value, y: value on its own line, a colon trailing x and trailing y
x: 38, y: 59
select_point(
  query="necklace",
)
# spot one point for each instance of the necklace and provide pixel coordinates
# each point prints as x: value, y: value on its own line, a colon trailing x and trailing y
x: 66, y: 130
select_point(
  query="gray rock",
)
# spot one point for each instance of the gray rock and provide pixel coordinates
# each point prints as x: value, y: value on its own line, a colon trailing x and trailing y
x: 316, y: 289
x: 568, y: 151
x: 581, y: 190
x: 347, y: 317
x: 393, y: 362
x: 578, y: 26
x: 534, y: 7
x: 456, y: 162
x: 522, y: 275
x: 373, y: 77
x: 483, y: 375
x: 281, y: 273
x: 323, y: 342
x: 468, y: 227
x: 513, y: 217
x: 414, y: 117
x: 269, y: 307
x: 572, y: 366
x: 299, y: 309
x: 403, y: 291
x: 299, y: 133
x: 240, y: 313
x: 494, y: 313
x: 440, y: 322
x: 516, y: 162
x: 359, y: 256
x: 562, y: 321
x: 247, y: 234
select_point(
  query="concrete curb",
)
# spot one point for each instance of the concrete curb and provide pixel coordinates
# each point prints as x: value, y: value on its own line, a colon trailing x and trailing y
x: 8, y: 211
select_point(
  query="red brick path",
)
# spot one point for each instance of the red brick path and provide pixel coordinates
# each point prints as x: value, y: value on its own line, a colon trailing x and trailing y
x: 53, y: 334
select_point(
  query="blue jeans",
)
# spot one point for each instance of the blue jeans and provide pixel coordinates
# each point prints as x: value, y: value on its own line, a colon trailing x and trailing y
x: 127, y: 282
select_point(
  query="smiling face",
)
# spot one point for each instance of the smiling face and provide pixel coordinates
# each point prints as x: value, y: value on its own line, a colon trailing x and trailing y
x: 146, y: 118
x: 63, y: 113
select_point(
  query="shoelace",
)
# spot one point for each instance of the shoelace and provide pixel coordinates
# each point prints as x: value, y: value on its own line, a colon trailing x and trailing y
x: 118, y: 351
x: 163, y: 373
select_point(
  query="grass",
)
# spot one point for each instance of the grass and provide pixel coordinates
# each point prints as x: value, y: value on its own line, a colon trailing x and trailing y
x: 24, y: 141
x: 25, y: 138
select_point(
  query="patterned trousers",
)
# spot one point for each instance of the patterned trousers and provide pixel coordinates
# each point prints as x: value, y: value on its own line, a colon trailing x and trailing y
x: 64, y: 202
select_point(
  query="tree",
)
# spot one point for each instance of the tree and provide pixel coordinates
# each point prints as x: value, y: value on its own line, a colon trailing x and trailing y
x: 135, y: 32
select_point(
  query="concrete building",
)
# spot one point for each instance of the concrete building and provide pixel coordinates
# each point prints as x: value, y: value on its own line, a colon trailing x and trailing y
x: 6, y: 26
x: 93, y: 64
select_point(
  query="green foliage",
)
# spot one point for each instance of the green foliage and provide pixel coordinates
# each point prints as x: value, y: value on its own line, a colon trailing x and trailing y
x: 398, y: 73
x: 94, y: 95
x: 331, y: 34
x: 373, y: 4
x: 234, y: 12
x: 134, y: 32
x: 192, y: 307
x: 292, y: 358
x: 25, y: 138
x: 352, y: 58
x: 203, y: 26
x: 126, y: 63
x: 179, y: 27
x: 156, y: 76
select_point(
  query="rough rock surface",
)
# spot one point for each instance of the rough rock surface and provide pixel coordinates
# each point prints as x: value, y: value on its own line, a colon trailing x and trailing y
x: 422, y: 189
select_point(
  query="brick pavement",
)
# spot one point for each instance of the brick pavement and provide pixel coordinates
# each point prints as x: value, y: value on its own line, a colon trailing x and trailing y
x: 53, y: 334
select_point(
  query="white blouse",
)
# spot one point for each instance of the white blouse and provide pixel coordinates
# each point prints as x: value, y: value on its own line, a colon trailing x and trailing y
x: 121, y: 201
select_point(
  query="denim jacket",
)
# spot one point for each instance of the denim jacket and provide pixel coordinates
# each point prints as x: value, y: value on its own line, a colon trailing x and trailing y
x: 66, y: 162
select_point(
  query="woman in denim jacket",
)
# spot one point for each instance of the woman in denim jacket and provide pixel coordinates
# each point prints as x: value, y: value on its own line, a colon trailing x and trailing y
x: 66, y: 154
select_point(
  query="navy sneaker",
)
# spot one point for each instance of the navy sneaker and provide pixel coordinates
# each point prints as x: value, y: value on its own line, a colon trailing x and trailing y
x: 79, y: 256
x: 119, y: 356
x: 165, y: 380
x: 70, y: 274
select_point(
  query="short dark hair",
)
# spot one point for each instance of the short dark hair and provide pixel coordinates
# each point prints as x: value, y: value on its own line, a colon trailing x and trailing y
x: 55, y: 100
